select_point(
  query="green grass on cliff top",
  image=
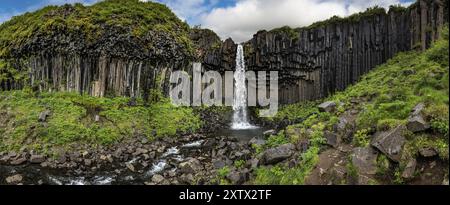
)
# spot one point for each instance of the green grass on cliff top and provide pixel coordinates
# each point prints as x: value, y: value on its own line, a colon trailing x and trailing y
x: 370, y: 12
x: 90, y: 21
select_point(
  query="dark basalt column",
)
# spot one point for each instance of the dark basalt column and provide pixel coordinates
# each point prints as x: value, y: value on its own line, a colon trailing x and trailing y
x: 322, y: 60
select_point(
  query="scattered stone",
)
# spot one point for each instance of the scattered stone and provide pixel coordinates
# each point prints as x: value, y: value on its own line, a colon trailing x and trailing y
x: 218, y: 164
x: 140, y: 151
x: 278, y: 154
x: 130, y: 167
x: 236, y: 178
x: 410, y: 168
x: 14, y: 179
x: 97, y: 118
x: 391, y: 142
x: 331, y: 139
x: 445, y: 181
x: 190, y: 166
x: 417, y: 110
x: 365, y: 160
x: 257, y: 141
x: 37, y: 159
x: 417, y: 124
x: 187, y: 178
x: 269, y: 132
x: 157, y: 178
x: 18, y: 161
x: 43, y: 115
x: 254, y: 163
x: 88, y: 162
x: 428, y: 152
x: 329, y: 106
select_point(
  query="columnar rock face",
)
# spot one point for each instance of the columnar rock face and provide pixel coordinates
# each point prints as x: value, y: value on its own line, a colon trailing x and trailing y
x: 324, y: 58
x: 124, y: 56
x: 313, y: 62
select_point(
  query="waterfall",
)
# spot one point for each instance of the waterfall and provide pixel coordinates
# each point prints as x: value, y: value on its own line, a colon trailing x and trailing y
x: 240, y: 119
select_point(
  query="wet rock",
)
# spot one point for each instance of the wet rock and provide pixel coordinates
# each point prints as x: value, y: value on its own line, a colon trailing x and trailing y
x: 257, y: 141
x: 390, y: 142
x: 408, y: 172
x: 130, y: 167
x: 190, y: 166
x: 87, y: 162
x: 329, y: 106
x: 417, y: 124
x: 428, y: 152
x: 14, y: 179
x: 269, y: 132
x: 187, y: 179
x: 140, y: 151
x: 43, y: 115
x: 18, y: 161
x: 209, y: 143
x: 365, y: 160
x: 278, y: 154
x: 37, y: 159
x: 157, y: 178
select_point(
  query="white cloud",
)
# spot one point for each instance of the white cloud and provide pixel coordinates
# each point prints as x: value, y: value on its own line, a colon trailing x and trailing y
x: 245, y: 18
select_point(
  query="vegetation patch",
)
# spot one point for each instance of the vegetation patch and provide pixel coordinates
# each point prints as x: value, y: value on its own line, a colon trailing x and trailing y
x: 78, y: 118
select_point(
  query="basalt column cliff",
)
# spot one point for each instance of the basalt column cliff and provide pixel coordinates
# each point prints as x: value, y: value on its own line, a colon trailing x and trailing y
x: 328, y: 56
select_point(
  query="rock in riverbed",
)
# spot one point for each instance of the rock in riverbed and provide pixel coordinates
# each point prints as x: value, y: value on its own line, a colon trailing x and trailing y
x: 14, y: 179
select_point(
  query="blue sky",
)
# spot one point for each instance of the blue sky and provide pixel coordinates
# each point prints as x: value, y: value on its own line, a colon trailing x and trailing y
x: 238, y: 19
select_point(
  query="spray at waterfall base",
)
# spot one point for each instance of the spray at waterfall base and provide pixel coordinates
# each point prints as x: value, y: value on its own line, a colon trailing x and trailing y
x: 241, y: 89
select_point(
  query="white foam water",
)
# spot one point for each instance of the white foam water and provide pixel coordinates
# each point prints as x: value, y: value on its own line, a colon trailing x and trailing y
x: 240, y: 118
x: 193, y: 144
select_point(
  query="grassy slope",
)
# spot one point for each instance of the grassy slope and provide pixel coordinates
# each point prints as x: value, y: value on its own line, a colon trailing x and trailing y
x: 72, y: 120
x: 388, y: 94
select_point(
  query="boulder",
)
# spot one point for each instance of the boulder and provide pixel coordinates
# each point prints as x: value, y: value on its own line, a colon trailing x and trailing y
x: 269, y: 132
x: 278, y: 154
x: 409, y: 170
x: 332, y: 139
x: 427, y: 152
x: 191, y: 166
x: 328, y: 106
x: 257, y: 141
x: 218, y: 164
x: 390, y: 142
x: 130, y: 167
x: 365, y: 160
x: 157, y: 178
x: 236, y: 178
x: 417, y: 110
x: 43, y: 116
x: 417, y: 124
x: 14, y: 179
x: 37, y: 159
x: 18, y: 161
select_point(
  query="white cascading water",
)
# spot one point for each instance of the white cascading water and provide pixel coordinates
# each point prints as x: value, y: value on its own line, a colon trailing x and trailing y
x: 240, y: 119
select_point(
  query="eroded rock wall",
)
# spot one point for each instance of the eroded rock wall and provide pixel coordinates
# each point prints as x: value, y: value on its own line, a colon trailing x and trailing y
x: 321, y: 60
